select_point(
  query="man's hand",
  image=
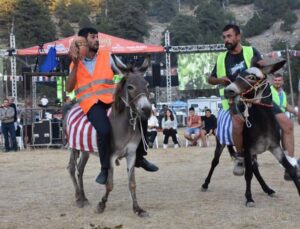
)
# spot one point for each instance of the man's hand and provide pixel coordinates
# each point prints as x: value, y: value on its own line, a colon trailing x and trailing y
x: 225, y: 81
x: 78, y: 49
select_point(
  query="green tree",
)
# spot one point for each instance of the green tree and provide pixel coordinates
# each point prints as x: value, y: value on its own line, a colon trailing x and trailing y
x: 278, y: 45
x: 6, y: 16
x: 124, y: 19
x: 183, y: 33
x: 289, y: 19
x: 76, y: 9
x: 60, y: 10
x: 28, y: 31
x: 84, y: 21
x: 66, y: 29
x: 211, y: 19
x: 163, y: 10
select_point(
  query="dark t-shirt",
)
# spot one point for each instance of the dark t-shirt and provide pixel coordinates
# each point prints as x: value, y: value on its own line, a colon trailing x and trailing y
x: 235, y: 64
x: 210, y: 123
x: 15, y: 109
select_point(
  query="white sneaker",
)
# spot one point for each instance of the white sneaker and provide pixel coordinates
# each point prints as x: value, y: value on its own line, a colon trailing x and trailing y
x: 165, y: 146
x: 176, y: 146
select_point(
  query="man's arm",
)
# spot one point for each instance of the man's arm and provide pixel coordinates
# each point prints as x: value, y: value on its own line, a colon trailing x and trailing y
x: 291, y: 109
x: 214, y: 80
x: 71, y: 81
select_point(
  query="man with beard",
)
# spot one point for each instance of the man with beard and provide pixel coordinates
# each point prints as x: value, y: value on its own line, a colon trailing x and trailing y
x: 92, y: 73
x: 229, y: 64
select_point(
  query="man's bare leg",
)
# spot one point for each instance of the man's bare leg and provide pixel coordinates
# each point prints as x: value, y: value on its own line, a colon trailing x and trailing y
x: 237, y: 134
x: 287, y: 128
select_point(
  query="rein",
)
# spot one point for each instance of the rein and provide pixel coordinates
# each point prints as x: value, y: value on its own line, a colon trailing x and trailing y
x: 257, y: 97
x: 134, y: 116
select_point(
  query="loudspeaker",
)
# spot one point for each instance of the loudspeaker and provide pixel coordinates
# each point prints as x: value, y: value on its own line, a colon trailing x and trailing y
x: 42, y: 132
x: 26, y: 79
x: 149, y: 79
x: 156, y: 74
x: 174, y: 81
x: 56, y: 132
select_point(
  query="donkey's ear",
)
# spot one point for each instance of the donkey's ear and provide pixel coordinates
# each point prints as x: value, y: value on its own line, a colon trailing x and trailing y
x: 119, y: 65
x: 145, y: 64
x: 271, y: 68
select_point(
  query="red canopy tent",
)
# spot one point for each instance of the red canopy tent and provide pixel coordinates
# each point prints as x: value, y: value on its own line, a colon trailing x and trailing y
x: 115, y: 44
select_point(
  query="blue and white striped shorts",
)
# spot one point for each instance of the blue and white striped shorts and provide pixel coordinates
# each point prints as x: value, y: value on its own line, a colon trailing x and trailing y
x: 224, y: 129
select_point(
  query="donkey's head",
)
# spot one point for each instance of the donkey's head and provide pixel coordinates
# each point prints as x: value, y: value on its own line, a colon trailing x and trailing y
x: 251, y: 81
x: 132, y: 91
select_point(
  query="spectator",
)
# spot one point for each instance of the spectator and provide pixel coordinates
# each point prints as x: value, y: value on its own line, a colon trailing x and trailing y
x: 169, y: 126
x: 13, y: 105
x: 67, y: 106
x: 27, y: 117
x: 194, y: 124
x: 209, y: 126
x: 152, y: 128
x: 7, y: 114
x: 210, y: 123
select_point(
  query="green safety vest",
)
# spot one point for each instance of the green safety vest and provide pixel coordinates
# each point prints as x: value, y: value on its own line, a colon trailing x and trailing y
x: 221, y: 70
x: 276, y: 99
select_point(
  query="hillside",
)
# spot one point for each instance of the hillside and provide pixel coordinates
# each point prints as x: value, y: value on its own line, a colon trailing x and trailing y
x: 242, y: 14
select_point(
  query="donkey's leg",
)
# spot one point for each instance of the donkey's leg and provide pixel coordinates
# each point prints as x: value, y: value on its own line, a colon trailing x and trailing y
x: 81, y: 165
x: 132, y: 185
x: 232, y: 152
x: 290, y: 166
x: 214, y: 163
x: 109, y: 187
x: 74, y: 154
x: 259, y: 178
x: 248, y: 178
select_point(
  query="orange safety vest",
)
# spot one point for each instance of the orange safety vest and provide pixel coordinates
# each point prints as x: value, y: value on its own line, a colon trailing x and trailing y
x: 89, y: 89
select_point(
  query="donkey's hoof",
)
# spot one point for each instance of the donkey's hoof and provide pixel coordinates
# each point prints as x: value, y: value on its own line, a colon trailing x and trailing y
x: 250, y: 204
x: 140, y: 212
x: 100, y: 207
x: 204, y: 187
x: 271, y: 193
x: 80, y: 203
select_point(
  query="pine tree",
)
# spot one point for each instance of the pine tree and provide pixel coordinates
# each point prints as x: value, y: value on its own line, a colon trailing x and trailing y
x: 125, y: 19
x: 6, y: 16
x: 32, y: 23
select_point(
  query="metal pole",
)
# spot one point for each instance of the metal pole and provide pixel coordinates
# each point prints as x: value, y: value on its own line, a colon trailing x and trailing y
x: 289, y: 72
x: 13, y: 65
x: 168, y: 67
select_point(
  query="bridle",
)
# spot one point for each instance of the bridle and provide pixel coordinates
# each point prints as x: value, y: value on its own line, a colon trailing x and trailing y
x: 262, y: 84
x: 135, y: 115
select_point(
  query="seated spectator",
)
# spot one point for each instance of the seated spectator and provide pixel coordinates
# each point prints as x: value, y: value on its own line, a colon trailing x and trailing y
x: 194, y: 124
x: 210, y: 123
x: 152, y: 128
x: 169, y: 126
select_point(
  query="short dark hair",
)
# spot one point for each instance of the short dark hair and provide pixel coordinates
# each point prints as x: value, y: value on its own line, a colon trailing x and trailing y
x: 235, y: 28
x: 208, y: 110
x: 191, y: 109
x: 277, y: 75
x: 84, y: 32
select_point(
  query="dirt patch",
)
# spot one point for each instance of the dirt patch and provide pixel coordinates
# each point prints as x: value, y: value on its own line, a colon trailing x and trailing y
x: 36, y: 192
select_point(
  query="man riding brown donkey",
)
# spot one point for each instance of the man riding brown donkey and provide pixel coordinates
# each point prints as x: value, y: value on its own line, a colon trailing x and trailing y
x: 92, y: 74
